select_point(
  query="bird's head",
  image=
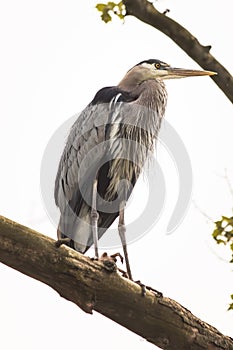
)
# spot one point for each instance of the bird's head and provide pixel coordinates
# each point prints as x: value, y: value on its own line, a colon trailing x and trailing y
x: 155, y: 69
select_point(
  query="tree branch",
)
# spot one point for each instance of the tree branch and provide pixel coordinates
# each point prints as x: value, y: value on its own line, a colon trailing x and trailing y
x: 96, y: 285
x: 147, y: 13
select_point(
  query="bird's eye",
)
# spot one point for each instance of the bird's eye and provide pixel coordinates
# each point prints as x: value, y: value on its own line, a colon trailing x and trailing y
x: 157, y: 65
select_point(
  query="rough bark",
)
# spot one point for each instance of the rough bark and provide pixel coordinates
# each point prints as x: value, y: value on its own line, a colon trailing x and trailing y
x: 147, y: 13
x: 97, y: 285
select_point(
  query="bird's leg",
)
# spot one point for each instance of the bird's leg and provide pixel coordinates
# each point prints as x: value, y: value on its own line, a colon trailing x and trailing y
x: 122, y: 230
x: 94, y: 219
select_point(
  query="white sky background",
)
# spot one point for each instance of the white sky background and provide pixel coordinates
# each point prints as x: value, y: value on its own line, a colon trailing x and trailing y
x: 55, y: 55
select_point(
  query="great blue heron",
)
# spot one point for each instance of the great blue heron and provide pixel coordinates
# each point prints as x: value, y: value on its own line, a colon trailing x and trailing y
x: 108, y: 143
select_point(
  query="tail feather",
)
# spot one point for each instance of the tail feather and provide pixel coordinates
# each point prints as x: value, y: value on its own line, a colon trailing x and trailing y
x: 80, y: 229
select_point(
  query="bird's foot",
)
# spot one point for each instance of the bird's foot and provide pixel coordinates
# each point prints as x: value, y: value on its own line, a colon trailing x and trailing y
x: 62, y: 241
x: 144, y: 288
x: 124, y: 273
x: 114, y: 256
x: 155, y: 291
x: 109, y: 262
x: 95, y: 258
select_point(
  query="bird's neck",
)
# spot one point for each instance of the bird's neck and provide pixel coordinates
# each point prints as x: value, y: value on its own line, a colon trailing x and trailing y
x: 131, y: 81
x: 150, y: 93
x: 153, y: 94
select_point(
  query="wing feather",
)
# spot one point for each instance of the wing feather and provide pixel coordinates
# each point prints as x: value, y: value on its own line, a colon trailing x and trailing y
x: 100, y: 144
x: 84, y: 151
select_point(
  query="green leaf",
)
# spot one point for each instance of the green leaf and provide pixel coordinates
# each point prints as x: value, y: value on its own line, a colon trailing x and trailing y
x: 117, y: 9
x: 216, y: 233
x: 112, y: 4
x: 226, y: 218
x: 106, y: 17
x: 121, y: 16
x: 218, y: 224
x: 221, y: 241
x: 100, y: 7
x: 223, y: 233
x: 231, y: 305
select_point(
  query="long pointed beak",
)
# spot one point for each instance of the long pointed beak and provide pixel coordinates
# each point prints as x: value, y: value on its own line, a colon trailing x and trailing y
x: 182, y: 73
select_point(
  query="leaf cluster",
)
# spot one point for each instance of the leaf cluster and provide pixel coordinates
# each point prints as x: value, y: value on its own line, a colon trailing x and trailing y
x: 223, y: 234
x: 111, y: 8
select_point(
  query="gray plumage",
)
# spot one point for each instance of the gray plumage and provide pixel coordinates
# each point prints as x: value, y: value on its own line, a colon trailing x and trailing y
x: 110, y: 141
